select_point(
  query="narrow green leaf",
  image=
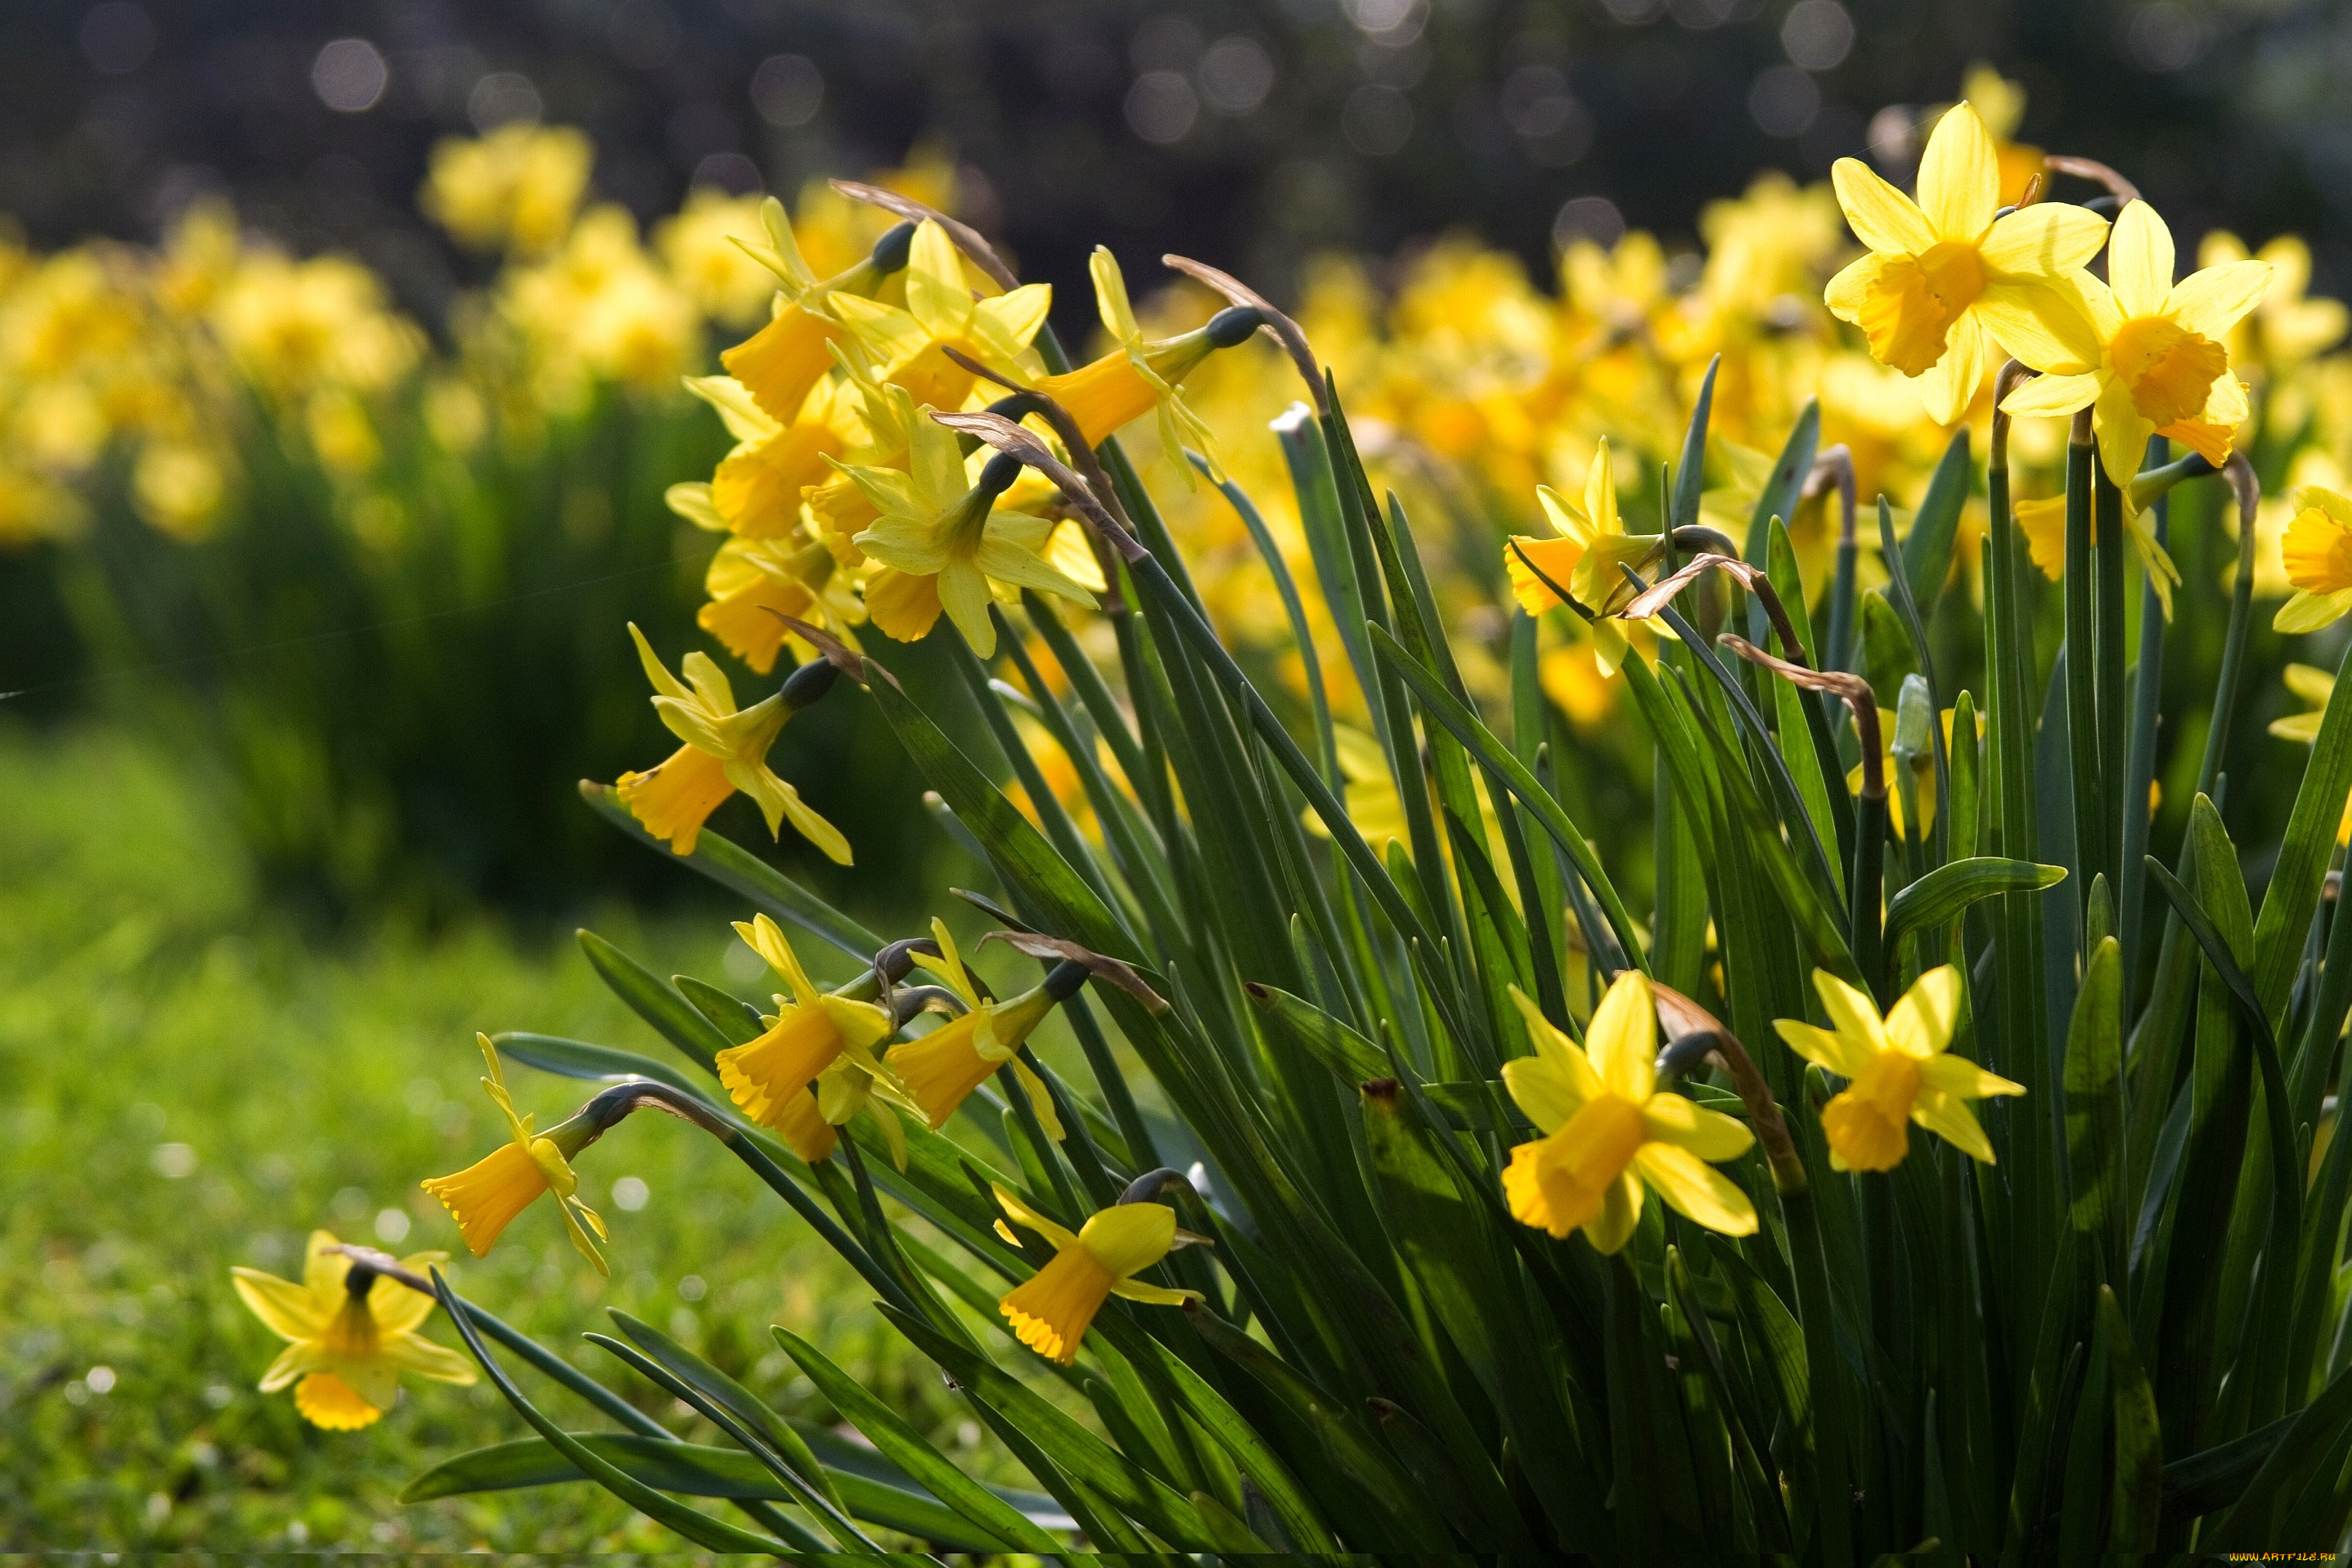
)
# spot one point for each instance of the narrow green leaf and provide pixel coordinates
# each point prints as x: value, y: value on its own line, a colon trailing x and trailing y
x: 1928, y: 549
x: 1783, y: 488
x: 654, y: 999
x: 2140, y: 1445
x: 2095, y: 1108
x: 906, y: 1447
x: 594, y: 1063
x: 2302, y: 866
x: 738, y: 1401
x: 1939, y: 898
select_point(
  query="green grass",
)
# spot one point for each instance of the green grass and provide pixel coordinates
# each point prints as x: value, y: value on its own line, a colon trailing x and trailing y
x: 188, y: 1082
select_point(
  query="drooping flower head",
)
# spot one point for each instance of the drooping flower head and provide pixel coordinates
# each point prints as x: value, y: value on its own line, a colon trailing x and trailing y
x: 725, y: 750
x: 1608, y: 1132
x: 782, y: 360
x: 485, y: 1197
x: 1945, y: 279
x: 911, y: 343
x: 1050, y: 1312
x: 941, y: 1068
x: 1586, y: 554
x: 1140, y: 375
x: 817, y: 1040
x: 349, y: 1332
x: 2149, y: 355
x: 1899, y: 1071
x: 2317, y: 550
x: 945, y: 540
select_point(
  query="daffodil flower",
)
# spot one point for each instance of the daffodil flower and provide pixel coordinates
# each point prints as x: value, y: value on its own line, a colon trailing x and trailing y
x: 816, y: 1039
x: 1585, y: 554
x: 1140, y: 375
x: 2313, y: 687
x: 1050, y: 1311
x: 485, y: 1197
x: 1945, y: 279
x: 349, y: 1332
x: 2043, y: 523
x: 756, y: 490
x: 944, y: 539
x: 754, y: 583
x: 2317, y: 550
x: 782, y: 360
x: 725, y: 750
x: 1898, y: 1069
x: 1607, y: 1132
x: 941, y: 1068
x: 911, y: 344
x: 2149, y: 355
x: 2288, y: 328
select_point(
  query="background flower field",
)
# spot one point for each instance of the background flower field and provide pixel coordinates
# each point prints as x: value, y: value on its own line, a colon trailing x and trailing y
x: 312, y: 613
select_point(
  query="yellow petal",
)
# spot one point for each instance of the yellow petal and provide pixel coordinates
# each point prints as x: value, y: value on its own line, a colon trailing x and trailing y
x: 2140, y: 260
x: 2051, y: 396
x: 1823, y: 1049
x: 2313, y: 684
x: 1696, y: 1189
x: 2048, y: 239
x: 2042, y: 324
x: 1881, y: 217
x: 1964, y: 1080
x: 1621, y: 1213
x: 1021, y: 1214
x: 327, y: 1402
x: 1111, y: 296
x: 1709, y: 1135
x: 1129, y: 1238
x: 1542, y: 1090
x: 412, y: 1353
x: 1852, y: 1011
x: 1554, y: 1047
x: 1622, y: 1040
x: 2310, y: 612
x: 1950, y: 386
x: 1152, y: 1295
x: 1600, y: 492
x: 1951, y: 1121
x: 1922, y: 1020
x: 2122, y: 430
x: 290, y: 1310
x: 2218, y: 299
x: 1959, y: 176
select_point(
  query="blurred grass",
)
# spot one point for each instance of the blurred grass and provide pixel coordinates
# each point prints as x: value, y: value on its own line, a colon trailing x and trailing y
x: 156, y: 1018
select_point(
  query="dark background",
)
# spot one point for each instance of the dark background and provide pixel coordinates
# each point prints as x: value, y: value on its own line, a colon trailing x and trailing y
x: 1282, y: 127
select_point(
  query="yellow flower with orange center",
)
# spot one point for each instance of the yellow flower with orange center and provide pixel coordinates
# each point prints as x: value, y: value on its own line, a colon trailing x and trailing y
x: 1586, y: 555
x: 2317, y: 550
x: 911, y: 343
x: 2147, y: 354
x: 1050, y: 1312
x: 1945, y: 280
x: 726, y: 750
x: 1609, y: 1133
x: 1899, y: 1071
x: 942, y: 1068
x: 349, y: 1336
x: 485, y: 1197
x: 817, y: 1040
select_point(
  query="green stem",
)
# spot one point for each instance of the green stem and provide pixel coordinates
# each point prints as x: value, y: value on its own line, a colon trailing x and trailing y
x: 2081, y: 659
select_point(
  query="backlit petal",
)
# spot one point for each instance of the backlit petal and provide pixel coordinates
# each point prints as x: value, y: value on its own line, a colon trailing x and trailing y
x: 1622, y: 1038
x: 2123, y: 431
x: 1950, y: 386
x: 1853, y: 1014
x: 1129, y: 1238
x: 1022, y: 1214
x: 1819, y: 1046
x: 2042, y: 324
x: 1951, y: 1121
x: 1881, y: 217
x: 2045, y: 240
x: 2051, y: 396
x: 2216, y: 299
x: 1539, y: 1088
x: 1696, y: 1189
x: 2140, y: 260
x: 1922, y: 1020
x: 290, y: 1310
x: 1964, y: 1080
x: 1621, y: 1213
x: 1709, y: 1135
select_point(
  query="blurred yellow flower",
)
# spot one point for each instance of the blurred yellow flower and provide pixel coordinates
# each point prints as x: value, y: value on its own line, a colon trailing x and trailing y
x: 514, y: 189
x: 701, y: 248
x: 350, y: 1333
x: 2317, y: 551
x: 1898, y: 1072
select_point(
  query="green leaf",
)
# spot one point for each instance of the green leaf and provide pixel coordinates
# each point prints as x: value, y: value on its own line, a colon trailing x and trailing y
x: 1690, y: 473
x: 738, y: 1401
x: 2302, y: 866
x: 2210, y: 1481
x: 594, y: 1063
x: 690, y: 1469
x: 2288, y: 1467
x: 906, y: 1447
x: 654, y: 999
x: 1783, y: 488
x: 1938, y: 898
x: 2095, y: 1107
x: 1084, y: 1457
x: 1301, y: 1025
x: 1928, y: 549
x: 738, y: 869
x: 728, y: 1013
x: 2140, y: 1445
x: 696, y: 1526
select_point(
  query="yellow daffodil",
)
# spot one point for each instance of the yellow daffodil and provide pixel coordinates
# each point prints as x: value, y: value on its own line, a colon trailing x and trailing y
x: 1898, y: 1072
x: 1608, y: 1132
x: 2313, y: 686
x: 2043, y: 524
x: 2317, y: 551
x: 1137, y: 376
x: 753, y: 583
x: 757, y: 488
x: 941, y: 1068
x: 782, y: 360
x: 485, y: 1197
x: 515, y: 188
x: 710, y: 248
x: 1050, y: 1311
x: 725, y: 750
x: 911, y: 344
x: 2000, y: 104
x: 944, y: 539
x: 349, y: 1332
x: 1585, y: 554
x: 1945, y: 279
x: 2148, y: 354
x: 815, y: 1039
x: 2288, y: 327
